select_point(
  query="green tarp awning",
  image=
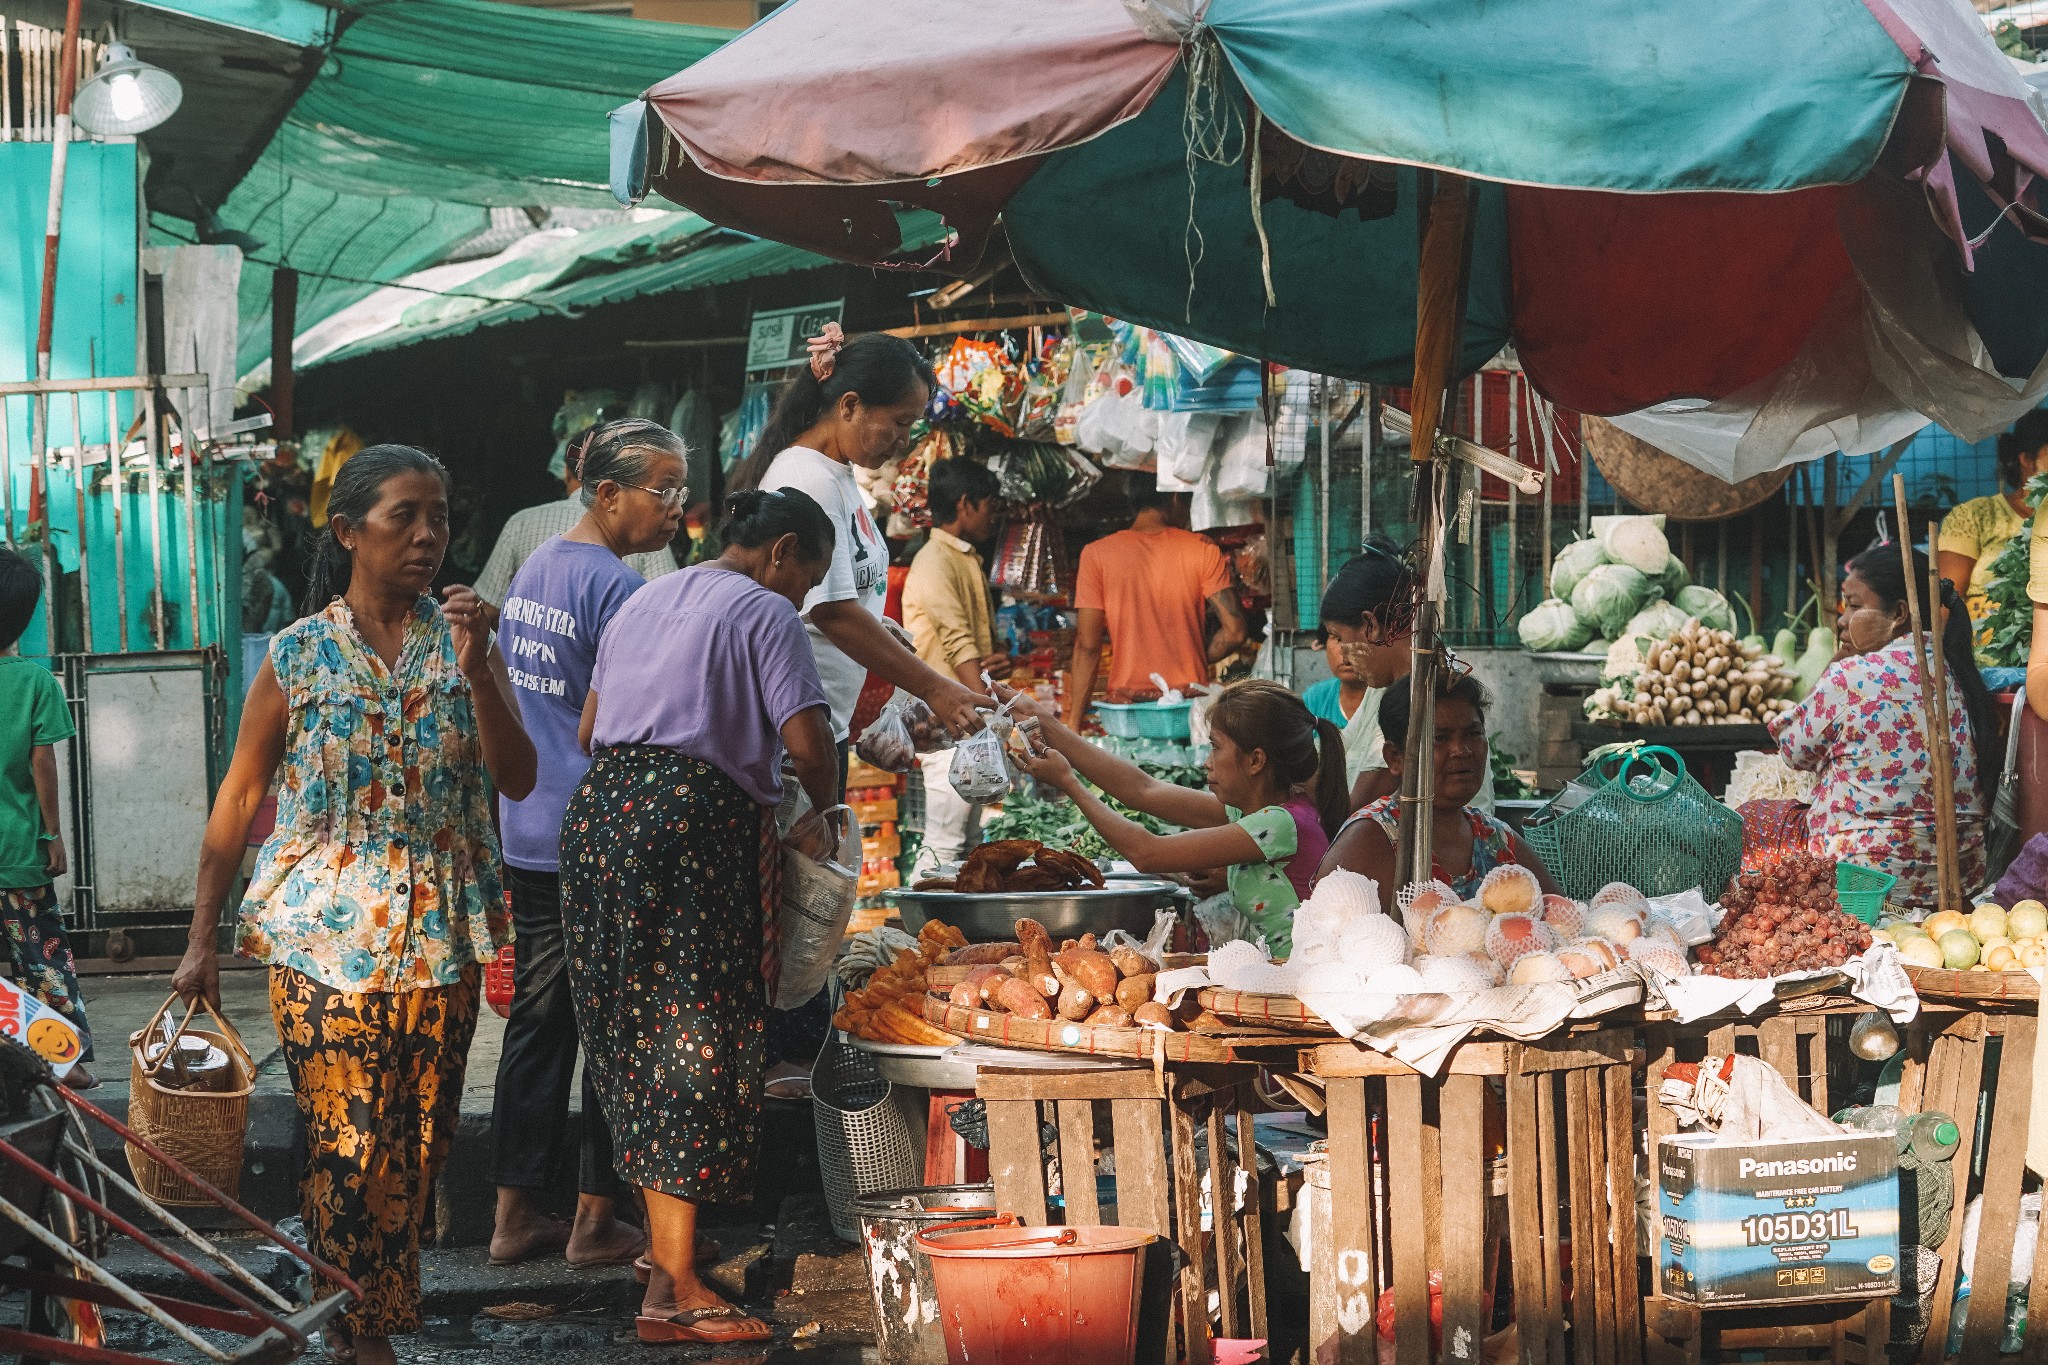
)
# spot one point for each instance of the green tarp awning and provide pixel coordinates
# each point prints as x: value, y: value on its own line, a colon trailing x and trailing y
x: 424, y: 114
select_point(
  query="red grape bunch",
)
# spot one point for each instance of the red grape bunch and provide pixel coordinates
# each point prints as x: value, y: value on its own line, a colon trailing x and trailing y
x: 1781, y: 918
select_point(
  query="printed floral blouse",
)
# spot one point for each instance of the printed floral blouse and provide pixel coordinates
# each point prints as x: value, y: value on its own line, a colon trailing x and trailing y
x: 383, y: 869
x: 1860, y: 730
x: 1268, y: 892
x: 1493, y: 843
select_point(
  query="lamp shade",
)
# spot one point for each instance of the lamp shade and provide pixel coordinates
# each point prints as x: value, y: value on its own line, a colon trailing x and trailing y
x: 125, y: 96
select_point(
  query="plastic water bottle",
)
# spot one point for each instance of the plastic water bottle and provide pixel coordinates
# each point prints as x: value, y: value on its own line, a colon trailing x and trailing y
x: 1930, y: 1136
x: 1873, y: 1118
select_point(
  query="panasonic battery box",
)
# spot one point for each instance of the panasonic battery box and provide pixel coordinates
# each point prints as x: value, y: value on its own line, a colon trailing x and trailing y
x: 1773, y: 1222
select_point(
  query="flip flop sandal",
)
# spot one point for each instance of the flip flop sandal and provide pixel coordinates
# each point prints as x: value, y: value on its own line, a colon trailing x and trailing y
x: 683, y: 1327
x: 546, y: 1247
x: 708, y: 1253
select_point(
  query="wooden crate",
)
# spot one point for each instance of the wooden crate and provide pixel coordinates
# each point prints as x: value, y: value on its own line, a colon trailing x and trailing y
x: 1153, y: 1116
x: 1945, y: 1071
x: 1795, y: 1044
x: 1568, y: 1230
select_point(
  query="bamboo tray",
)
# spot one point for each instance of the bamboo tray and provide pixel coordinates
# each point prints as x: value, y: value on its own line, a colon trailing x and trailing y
x: 1937, y: 983
x: 1269, y: 1011
x: 943, y: 978
x: 1061, y: 1035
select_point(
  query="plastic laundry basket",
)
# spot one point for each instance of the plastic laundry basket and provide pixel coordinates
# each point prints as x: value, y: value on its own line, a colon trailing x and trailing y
x: 1862, y: 890
x: 1637, y: 816
x: 865, y: 1142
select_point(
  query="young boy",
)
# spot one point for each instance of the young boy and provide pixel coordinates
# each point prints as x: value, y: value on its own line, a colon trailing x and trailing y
x: 946, y: 607
x: 33, y: 718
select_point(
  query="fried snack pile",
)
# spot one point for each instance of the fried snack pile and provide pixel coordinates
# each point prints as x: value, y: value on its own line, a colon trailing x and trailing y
x: 1010, y: 865
x: 1080, y: 982
x: 887, y: 1010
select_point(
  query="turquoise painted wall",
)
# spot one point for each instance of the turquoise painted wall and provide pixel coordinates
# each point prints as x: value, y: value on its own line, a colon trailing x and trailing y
x: 98, y: 280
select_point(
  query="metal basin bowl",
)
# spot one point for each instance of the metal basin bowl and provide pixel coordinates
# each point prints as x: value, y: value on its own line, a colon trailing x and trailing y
x: 992, y: 918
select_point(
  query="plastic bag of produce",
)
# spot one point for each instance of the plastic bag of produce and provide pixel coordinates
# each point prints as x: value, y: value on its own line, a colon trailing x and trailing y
x: 1710, y: 608
x: 905, y: 728
x: 1573, y: 563
x: 814, y: 902
x: 1553, y: 625
x: 980, y: 771
x: 1609, y: 595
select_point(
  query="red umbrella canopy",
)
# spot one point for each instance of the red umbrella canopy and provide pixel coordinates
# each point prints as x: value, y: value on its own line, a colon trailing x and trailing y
x: 1772, y: 229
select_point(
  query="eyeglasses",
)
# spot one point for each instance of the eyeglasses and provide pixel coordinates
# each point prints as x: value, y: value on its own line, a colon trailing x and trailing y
x: 670, y: 497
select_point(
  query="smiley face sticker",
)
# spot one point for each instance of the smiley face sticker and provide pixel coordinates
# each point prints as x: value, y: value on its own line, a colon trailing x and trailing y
x: 54, y: 1040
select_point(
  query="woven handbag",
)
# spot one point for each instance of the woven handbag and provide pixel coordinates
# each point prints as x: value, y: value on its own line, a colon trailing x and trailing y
x: 202, y: 1129
x: 1635, y: 815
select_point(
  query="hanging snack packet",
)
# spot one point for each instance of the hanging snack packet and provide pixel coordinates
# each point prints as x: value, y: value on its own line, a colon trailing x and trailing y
x: 980, y: 772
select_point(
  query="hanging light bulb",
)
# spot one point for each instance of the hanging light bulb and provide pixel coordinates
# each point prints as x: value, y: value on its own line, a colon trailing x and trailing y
x: 125, y: 96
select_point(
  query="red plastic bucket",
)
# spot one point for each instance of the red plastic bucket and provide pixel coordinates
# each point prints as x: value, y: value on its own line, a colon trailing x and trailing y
x: 1038, y: 1295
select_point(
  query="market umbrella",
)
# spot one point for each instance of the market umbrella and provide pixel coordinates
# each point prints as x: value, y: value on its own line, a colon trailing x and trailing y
x: 1815, y: 217
x: 1750, y: 233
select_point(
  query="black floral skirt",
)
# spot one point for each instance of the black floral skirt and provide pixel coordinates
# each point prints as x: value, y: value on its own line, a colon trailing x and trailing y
x: 661, y: 901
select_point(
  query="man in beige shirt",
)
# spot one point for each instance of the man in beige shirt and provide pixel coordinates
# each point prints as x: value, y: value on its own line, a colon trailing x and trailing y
x: 946, y: 607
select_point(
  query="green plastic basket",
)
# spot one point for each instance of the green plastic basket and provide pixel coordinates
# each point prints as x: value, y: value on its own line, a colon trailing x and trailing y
x: 1862, y: 890
x: 1635, y: 815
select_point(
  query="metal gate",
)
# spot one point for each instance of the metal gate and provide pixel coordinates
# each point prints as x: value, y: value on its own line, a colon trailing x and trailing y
x: 136, y: 526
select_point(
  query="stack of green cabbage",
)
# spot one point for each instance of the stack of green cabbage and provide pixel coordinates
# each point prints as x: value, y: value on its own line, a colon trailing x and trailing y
x: 1622, y: 584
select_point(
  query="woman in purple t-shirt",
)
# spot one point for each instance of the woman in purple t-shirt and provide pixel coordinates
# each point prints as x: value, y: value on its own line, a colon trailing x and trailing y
x: 555, y: 611
x: 703, y: 680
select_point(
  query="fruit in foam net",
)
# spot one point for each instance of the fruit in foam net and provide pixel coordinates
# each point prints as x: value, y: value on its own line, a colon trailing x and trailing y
x: 1959, y: 950
x: 1371, y: 942
x: 1453, y: 975
x: 1510, y: 889
x: 1615, y: 921
x: 1511, y: 937
x: 1614, y: 893
x: 2028, y: 919
x: 1455, y: 929
x: 1532, y: 968
x: 1659, y: 954
x: 1564, y: 914
x: 1580, y: 960
x: 1398, y: 979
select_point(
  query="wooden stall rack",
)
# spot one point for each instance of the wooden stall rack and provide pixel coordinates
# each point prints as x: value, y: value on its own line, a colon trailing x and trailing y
x: 1559, y: 1242
x: 1154, y: 1115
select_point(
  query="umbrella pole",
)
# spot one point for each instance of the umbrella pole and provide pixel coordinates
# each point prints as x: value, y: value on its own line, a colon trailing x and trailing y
x: 1439, y: 325
x: 1946, y: 849
x: 1937, y: 752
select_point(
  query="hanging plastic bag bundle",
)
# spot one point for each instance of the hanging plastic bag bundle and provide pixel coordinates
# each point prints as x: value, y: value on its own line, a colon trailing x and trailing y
x: 815, y: 900
x: 905, y: 728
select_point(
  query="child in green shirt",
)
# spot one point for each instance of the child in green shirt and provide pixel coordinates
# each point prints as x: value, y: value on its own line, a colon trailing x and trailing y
x: 33, y: 719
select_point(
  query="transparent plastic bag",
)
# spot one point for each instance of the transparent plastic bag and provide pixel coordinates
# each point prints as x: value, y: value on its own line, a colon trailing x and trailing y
x: 980, y: 771
x: 905, y: 728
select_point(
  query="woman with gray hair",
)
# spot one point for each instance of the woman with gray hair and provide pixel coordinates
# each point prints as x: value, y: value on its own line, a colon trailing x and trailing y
x: 554, y: 612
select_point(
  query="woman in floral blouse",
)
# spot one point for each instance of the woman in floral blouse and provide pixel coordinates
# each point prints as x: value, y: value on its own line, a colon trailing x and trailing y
x: 386, y: 719
x: 1860, y: 729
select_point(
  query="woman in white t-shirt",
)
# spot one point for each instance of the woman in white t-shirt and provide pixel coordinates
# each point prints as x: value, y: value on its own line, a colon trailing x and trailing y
x: 854, y: 405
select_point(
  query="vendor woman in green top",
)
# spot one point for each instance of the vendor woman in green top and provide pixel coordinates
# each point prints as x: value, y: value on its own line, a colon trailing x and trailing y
x: 1276, y: 791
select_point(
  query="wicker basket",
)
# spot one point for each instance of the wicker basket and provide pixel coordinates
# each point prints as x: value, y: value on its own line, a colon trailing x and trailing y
x: 202, y: 1129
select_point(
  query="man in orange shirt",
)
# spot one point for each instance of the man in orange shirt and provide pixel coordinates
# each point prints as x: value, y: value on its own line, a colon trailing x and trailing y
x: 1150, y: 588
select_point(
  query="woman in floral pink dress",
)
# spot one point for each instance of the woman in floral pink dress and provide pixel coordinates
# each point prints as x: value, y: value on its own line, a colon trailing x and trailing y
x: 1860, y: 729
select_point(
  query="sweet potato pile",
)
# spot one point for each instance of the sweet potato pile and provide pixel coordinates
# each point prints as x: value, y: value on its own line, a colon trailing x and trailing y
x: 1009, y: 865
x: 1079, y: 982
x: 887, y: 1008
